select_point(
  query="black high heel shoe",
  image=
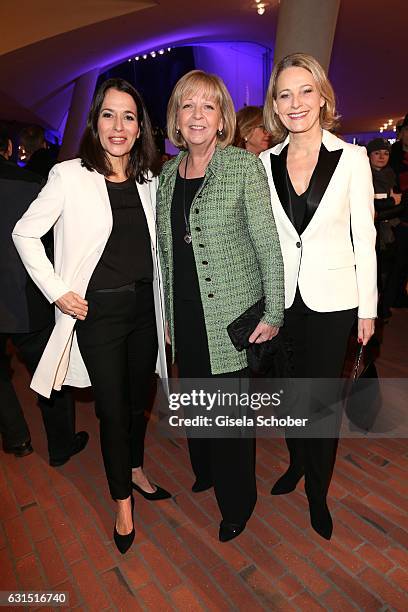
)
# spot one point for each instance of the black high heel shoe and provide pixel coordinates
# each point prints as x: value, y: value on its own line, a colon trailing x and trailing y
x: 124, y: 542
x: 229, y: 531
x: 320, y: 519
x: 287, y: 483
x: 158, y: 494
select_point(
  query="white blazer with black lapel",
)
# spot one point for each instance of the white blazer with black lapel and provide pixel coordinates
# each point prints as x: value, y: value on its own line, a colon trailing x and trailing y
x: 333, y: 258
x: 75, y: 201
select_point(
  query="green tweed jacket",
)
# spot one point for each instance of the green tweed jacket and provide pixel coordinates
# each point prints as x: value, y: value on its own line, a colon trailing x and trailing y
x: 235, y: 244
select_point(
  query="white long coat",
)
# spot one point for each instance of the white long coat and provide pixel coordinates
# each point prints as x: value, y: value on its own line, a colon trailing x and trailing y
x: 75, y: 201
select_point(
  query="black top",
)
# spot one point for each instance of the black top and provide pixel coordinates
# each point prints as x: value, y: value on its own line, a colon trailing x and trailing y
x: 186, y: 284
x: 127, y: 257
x: 299, y: 204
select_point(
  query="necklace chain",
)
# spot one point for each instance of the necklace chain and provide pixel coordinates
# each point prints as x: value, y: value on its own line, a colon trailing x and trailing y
x: 187, y: 236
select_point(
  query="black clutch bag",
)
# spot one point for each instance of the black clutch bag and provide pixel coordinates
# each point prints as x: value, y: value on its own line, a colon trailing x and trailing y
x: 270, y: 358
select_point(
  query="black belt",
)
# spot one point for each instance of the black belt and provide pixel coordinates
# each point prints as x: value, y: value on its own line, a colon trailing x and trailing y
x: 130, y: 287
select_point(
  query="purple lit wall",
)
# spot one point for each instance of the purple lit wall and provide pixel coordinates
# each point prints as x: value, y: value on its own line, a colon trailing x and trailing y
x: 240, y: 65
x: 365, y: 137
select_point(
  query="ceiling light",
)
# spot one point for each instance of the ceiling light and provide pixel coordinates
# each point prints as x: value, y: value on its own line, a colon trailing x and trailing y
x: 153, y: 53
x: 260, y: 6
x: 144, y: 55
x: 161, y: 51
x: 169, y: 49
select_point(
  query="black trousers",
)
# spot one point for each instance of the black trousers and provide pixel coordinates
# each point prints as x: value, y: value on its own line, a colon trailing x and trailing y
x: 397, y: 295
x: 58, y: 412
x: 118, y: 343
x: 227, y: 462
x: 319, y: 346
x: 386, y: 260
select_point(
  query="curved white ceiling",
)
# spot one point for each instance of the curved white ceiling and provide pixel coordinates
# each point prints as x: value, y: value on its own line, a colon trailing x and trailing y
x: 46, y: 45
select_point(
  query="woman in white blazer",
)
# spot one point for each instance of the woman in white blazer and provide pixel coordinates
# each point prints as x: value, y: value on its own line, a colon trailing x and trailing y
x: 105, y: 282
x: 322, y: 199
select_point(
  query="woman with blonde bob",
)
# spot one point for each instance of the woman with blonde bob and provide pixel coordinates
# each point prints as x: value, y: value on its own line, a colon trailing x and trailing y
x: 320, y: 188
x: 251, y: 133
x: 220, y: 254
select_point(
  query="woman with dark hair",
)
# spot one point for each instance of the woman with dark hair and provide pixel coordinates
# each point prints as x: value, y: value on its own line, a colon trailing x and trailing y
x: 105, y: 283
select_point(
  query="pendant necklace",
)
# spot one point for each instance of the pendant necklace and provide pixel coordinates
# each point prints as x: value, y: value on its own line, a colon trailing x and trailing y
x: 187, y: 236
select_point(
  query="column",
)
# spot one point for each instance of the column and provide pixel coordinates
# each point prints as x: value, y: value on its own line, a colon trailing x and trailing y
x: 80, y: 102
x: 306, y: 26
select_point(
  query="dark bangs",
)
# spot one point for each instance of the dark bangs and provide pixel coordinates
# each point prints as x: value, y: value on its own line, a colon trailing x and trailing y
x: 143, y: 155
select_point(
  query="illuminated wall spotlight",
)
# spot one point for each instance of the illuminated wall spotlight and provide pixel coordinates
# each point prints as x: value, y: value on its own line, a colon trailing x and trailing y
x: 152, y: 53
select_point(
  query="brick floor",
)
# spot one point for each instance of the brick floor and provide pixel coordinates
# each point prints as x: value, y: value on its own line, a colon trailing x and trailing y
x: 56, y: 529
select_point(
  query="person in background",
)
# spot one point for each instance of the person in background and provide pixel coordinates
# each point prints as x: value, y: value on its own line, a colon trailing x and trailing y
x: 399, y: 152
x: 106, y: 284
x: 321, y: 187
x: 250, y: 133
x: 384, y: 178
x: 388, y: 207
x: 26, y: 319
x: 38, y: 157
x: 399, y: 163
x: 220, y: 254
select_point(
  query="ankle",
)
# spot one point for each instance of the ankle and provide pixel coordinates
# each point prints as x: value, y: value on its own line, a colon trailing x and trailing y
x: 123, y: 502
x: 295, y: 468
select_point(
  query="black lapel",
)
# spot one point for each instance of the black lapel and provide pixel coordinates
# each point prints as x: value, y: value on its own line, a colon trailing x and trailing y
x: 280, y: 180
x: 325, y: 167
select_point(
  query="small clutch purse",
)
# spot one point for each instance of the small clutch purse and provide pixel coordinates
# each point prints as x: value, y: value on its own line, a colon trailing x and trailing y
x: 243, y: 326
x: 270, y: 358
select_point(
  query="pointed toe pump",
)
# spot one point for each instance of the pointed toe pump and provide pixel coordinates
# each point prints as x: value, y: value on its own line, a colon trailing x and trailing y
x: 124, y: 542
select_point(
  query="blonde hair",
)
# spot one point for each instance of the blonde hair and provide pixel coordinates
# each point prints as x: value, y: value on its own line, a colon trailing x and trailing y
x: 248, y: 118
x: 214, y: 89
x: 328, y: 114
